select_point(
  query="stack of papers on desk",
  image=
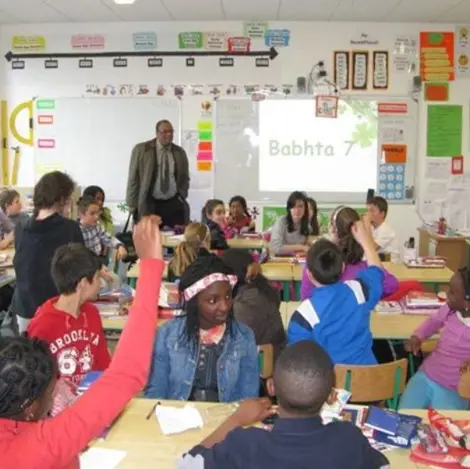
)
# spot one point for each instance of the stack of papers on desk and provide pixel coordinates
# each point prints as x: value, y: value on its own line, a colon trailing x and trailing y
x: 100, y: 458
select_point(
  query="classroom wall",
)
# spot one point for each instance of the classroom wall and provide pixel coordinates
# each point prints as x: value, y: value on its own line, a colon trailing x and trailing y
x: 309, y: 43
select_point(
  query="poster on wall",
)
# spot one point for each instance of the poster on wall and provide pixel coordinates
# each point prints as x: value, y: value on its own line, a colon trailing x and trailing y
x: 462, y: 51
x: 380, y: 70
x: 360, y: 69
x: 444, y: 130
x: 436, y: 52
x: 341, y: 64
x: 28, y: 43
x: 405, y: 54
x: 255, y: 29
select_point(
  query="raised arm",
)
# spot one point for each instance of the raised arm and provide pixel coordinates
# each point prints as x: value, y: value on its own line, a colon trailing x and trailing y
x: 63, y: 437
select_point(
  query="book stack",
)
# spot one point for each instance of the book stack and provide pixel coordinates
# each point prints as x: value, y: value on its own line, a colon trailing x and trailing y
x: 389, y: 307
x: 421, y: 303
x: 331, y: 412
x: 115, y: 302
x: 391, y: 428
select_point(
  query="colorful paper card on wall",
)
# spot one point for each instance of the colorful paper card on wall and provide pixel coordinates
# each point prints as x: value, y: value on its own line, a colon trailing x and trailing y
x: 255, y: 29
x: 277, y: 38
x: 239, y: 44
x: 43, y: 104
x: 205, y: 136
x: 44, y: 119
x: 190, y: 40
x: 145, y: 41
x: 394, y: 153
x: 360, y: 70
x: 436, y: 50
x: 204, y: 126
x: 28, y: 43
x: 444, y: 130
x: 204, y: 156
x: 87, y: 41
x: 46, y: 143
x: 205, y: 146
x: 204, y: 165
x: 392, y: 181
x: 457, y: 165
x: 215, y: 41
x: 436, y: 91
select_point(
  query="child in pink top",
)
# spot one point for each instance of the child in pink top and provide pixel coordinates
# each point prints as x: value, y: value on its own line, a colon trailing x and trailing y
x: 435, y: 384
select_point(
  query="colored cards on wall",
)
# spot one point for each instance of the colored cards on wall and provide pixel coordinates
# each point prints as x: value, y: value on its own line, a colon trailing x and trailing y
x: 205, y: 154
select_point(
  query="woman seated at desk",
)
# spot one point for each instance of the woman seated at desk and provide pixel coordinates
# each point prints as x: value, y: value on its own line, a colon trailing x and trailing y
x: 290, y: 233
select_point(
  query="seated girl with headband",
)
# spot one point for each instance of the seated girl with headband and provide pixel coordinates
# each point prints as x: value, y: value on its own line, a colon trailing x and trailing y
x: 205, y: 355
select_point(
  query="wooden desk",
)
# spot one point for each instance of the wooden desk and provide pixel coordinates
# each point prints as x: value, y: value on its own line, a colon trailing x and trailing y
x: 237, y: 243
x: 435, y: 277
x: 148, y: 448
x: 383, y: 326
x: 453, y: 248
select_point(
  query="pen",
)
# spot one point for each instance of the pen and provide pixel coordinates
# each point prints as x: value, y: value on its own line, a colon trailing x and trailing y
x: 152, y: 410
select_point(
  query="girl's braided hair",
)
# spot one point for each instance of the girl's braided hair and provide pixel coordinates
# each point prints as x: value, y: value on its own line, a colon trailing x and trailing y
x: 26, y: 369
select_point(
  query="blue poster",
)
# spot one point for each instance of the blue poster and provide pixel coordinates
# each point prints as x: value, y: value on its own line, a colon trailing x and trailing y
x: 277, y: 37
x: 392, y: 181
x: 145, y: 41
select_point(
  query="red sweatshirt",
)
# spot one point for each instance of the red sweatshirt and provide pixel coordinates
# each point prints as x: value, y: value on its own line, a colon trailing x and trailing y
x: 56, y: 443
x: 78, y: 344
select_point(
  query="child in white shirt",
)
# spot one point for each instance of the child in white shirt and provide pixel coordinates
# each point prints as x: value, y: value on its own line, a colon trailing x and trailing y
x: 384, y: 235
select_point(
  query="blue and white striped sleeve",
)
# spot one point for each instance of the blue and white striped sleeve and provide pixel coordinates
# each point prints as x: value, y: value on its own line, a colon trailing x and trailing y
x: 368, y: 286
x: 302, y: 322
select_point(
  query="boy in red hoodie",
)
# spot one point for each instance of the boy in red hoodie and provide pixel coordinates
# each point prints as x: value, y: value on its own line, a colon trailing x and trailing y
x: 70, y: 323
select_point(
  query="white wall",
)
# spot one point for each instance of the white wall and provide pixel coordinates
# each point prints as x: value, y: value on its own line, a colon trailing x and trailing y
x: 310, y: 43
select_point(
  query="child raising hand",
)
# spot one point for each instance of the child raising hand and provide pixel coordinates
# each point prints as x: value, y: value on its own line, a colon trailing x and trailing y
x: 436, y: 382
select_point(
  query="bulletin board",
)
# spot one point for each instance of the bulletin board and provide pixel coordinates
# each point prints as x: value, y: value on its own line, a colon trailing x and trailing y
x: 92, y: 138
x: 390, y: 122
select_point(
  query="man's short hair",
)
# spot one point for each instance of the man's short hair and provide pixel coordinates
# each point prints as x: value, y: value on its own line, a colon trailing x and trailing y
x: 70, y: 264
x: 303, y: 378
x: 160, y: 123
x: 325, y: 262
x: 380, y: 203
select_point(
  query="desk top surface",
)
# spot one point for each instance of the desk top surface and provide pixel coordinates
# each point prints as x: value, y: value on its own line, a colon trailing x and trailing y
x: 148, y: 448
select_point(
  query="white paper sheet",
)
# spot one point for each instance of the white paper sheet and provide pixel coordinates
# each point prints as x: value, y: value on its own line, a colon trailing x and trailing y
x: 178, y: 419
x: 435, y: 190
x: 100, y: 458
x: 437, y: 168
x: 392, y: 134
x: 430, y: 210
x: 457, y: 209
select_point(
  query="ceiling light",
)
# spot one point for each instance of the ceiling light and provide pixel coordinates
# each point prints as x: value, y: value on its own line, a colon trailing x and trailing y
x: 124, y: 2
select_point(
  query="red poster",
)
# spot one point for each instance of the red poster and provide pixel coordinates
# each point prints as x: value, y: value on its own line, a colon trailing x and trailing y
x: 436, y: 52
x: 457, y: 165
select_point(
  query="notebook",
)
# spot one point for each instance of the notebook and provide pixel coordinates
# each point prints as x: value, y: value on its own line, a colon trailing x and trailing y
x: 382, y: 420
x: 406, y: 431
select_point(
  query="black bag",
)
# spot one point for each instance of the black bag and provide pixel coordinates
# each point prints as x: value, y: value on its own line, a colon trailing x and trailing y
x: 125, y: 237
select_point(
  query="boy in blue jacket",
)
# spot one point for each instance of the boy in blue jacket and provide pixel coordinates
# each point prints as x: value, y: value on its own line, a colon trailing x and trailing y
x: 337, y: 315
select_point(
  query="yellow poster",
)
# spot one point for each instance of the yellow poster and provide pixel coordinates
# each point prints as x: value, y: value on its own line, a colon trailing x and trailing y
x: 28, y: 43
x: 45, y: 168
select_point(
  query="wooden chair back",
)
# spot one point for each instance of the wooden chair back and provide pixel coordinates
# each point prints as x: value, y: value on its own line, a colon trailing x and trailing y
x: 373, y: 383
x: 266, y: 360
x: 464, y: 385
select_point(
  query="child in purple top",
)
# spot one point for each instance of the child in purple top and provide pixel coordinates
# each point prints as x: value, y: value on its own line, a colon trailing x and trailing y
x: 342, y: 219
x: 435, y: 384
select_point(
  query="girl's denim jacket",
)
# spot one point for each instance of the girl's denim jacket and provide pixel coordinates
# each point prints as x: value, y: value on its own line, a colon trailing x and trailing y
x: 174, y: 364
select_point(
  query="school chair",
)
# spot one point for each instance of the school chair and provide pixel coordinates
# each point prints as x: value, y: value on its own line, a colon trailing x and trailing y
x: 464, y: 385
x: 426, y: 348
x: 373, y: 383
x: 266, y: 361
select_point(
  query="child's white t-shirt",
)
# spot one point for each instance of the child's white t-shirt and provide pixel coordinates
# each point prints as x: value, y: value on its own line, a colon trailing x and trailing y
x: 385, y: 237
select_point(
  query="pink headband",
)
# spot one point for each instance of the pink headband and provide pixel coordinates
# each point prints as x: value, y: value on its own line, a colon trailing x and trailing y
x: 205, y: 282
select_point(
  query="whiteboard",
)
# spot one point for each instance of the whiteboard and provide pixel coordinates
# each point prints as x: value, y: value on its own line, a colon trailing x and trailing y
x: 92, y: 138
x: 238, y: 139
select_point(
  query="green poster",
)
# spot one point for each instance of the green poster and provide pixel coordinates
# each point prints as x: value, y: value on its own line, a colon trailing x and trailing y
x: 444, y: 132
x: 190, y: 40
x: 43, y: 104
x: 271, y: 214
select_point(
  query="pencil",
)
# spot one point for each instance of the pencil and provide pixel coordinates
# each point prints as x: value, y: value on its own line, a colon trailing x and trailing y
x: 152, y: 410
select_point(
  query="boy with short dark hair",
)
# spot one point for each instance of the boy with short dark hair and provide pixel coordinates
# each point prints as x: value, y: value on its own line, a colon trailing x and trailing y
x: 10, y: 204
x: 384, y: 235
x: 303, y: 381
x: 70, y: 323
x: 337, y: 315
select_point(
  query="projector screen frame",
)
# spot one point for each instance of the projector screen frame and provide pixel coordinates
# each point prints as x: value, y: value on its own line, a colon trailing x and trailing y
x: 238, y: 177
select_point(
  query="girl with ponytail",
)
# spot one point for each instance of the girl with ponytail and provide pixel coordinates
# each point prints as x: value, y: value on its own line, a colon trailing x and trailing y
x: 341, y: 221
x: 196, y: 242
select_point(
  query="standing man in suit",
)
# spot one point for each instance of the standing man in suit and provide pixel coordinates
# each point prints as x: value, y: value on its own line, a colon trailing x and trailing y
x: 158, y: 180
